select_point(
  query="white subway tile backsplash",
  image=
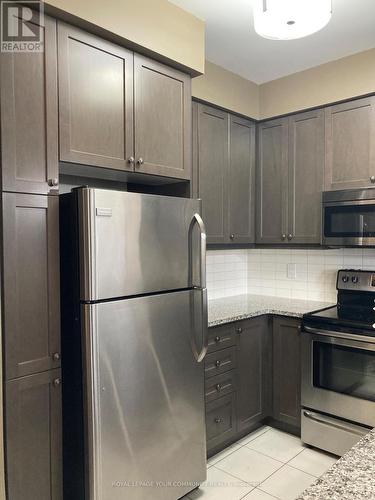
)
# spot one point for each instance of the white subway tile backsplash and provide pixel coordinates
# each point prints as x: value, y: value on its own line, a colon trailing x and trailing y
x: 264, y: 271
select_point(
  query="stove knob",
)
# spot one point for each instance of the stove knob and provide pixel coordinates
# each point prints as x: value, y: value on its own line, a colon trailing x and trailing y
x: 355, y: 279
x: 345, y: 279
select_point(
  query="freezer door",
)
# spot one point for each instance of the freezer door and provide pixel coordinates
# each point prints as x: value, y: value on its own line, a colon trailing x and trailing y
x: 145, y: 400
x: 132, y: 244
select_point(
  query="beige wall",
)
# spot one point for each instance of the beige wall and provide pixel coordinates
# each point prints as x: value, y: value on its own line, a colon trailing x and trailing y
x: 228, y: 90
x: 344, y: 78
x: 337, y: 80
x: 157, y: 25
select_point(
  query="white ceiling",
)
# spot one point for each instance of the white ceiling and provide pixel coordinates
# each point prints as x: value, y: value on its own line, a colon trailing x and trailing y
x: 231, y: 41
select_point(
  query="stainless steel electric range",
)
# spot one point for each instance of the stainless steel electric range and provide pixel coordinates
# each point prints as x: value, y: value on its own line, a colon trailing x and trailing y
x: 338, y: 366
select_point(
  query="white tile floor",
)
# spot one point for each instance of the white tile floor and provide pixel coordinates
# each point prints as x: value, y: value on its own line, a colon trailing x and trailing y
x: 266, y: 464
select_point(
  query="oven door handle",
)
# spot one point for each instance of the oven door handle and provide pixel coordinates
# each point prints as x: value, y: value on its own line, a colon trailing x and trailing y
x: 355, y: 429
x: 339, y: 335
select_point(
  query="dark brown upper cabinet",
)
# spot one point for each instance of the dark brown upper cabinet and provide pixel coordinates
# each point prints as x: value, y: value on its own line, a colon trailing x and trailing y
x: 350, y: 144
x: 272, y: 182
x: 120, y: 110
x: 211, y: 160
x: 223, y: 176
x: 31, y: 284
x: 162, y: 119
x: 33, y: 435
x: 29, y: 120
x: 241, y: 180
x: 290, y: 179
x: 95, y: 100
x: 306, y: 177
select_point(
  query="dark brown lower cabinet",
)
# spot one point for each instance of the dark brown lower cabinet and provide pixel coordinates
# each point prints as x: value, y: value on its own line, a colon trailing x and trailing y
x: 254, y: 377
x: 253, y: 366
x: 33, y: 437
x: 238, y: 380
x: 287, y: 371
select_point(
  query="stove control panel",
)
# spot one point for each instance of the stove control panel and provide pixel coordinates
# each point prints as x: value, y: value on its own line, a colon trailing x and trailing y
x: 356, y: 279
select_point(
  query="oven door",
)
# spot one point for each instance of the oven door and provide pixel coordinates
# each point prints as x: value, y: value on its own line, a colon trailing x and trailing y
x: 349, y: 223
x: 338, y: 374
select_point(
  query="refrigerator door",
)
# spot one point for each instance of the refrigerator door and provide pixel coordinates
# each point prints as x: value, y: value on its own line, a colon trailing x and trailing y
x: 145, y: 398
x: 133, y: 244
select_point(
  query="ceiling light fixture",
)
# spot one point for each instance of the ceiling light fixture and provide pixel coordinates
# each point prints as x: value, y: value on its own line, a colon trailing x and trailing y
x: 290, y: 19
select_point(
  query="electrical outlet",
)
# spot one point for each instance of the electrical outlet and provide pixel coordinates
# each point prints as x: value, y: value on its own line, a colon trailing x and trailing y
x: 291, y: 271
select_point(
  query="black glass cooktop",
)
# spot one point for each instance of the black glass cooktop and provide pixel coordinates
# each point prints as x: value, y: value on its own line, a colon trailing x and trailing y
x: 355, y: 319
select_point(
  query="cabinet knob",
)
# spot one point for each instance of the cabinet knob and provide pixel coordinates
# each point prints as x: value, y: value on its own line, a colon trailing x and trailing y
x: 231, y: 236
x: 56, y: 356
x: 131, y: 160
x: 218, y: 387
x: 53, y: 182
x: 217, y: 339
x: 239, y: 330
x: 218, y: 363
x: 218, y: 420
x: 290, y: 236
x: 283, y: 236
x: 56, y: 382
x: 372, y: 179
x: 140, y: 161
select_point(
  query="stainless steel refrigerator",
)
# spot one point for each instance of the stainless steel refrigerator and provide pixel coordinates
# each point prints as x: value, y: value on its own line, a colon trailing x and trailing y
x: 134, y: 337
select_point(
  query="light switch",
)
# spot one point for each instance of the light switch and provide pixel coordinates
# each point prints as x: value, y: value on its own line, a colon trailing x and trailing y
x: 291, y: 271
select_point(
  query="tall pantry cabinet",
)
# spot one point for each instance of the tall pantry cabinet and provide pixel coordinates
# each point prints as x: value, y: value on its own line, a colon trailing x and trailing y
x: 30, y: 272
x: 137, y: 121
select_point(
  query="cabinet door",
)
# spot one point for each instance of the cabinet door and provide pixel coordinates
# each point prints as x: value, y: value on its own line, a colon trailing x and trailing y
x: 286, y: 371
x: 162, y: 119
x: 350, y: 144
x: 33, y: 437
x: 272, y: 182
x: 29, y: 137
x: 211, y: 170
x: 241, y: 180
x: 31, y: 284
x: 306, y: 171
x: 95, y: 100
x: 253, y: 366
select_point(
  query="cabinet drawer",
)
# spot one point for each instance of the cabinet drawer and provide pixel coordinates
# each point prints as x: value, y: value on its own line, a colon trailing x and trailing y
x: 220, y: 337
x: 220, y: 385
x: 220, y: 420
x: 220, y: 362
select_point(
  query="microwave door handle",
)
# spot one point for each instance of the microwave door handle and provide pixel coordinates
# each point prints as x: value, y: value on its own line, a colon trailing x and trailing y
x: 197, y: 219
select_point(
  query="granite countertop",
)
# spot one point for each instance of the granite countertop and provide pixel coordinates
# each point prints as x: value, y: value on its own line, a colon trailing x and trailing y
x: 351, y: 478
x: 238, y: 307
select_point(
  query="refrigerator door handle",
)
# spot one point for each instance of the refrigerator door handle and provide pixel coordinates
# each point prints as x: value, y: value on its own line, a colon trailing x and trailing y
x: 197, y: 219
x: 199, y: 356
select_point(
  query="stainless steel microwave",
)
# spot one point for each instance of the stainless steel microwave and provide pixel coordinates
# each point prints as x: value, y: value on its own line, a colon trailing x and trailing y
x: 349, y: 218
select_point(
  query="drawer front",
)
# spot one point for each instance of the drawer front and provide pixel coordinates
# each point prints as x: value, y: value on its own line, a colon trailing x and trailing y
x: 220, y: 420
x: 220, y: 385
x: 220, y: 337
x: 220, y: 362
